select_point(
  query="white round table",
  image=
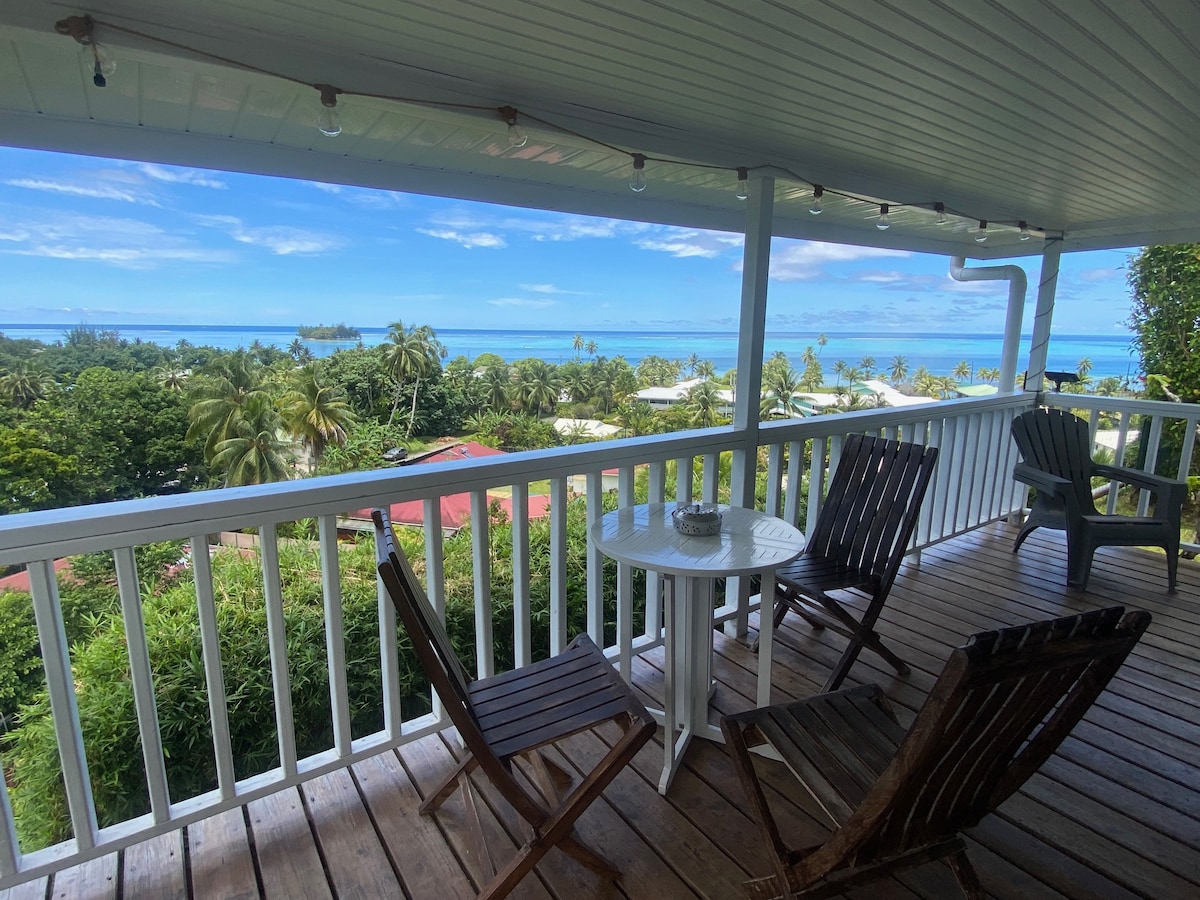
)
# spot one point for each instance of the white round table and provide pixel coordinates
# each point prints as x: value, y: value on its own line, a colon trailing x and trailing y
x: 749, y: 542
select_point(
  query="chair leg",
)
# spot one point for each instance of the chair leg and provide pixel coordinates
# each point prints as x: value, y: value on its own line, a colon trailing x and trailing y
x: 1025, y: 531
x: 1172, y: 566
x: 842, y: 669
x: 968, y: 880
x: 778, y: 611
x: 589, y: 858
x: 447, y: 785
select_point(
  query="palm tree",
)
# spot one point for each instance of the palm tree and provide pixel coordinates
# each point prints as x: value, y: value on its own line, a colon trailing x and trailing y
x: 821, y: 342
x: 839, y: 371
x: 899, y: 369
x: 705, y: 369
x: 497, y: 387
x: 253, y: 454
x: 780, y: 393
x: 962, y: 372
x: 867, y: 364
x: 591, y: 348
x: 539, y: 385
x: 296, y: 348
x: 691, y: 362
x: 703, y: 401
x: 411, y: 355
x: 220, y: 395
x: 23, y: 384
x: 170, y: 378
x: 636, y: 418
x: 577, y: 344
x: 318, y: 415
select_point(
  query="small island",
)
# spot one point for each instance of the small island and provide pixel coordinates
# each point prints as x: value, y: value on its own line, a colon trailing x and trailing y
x: 338, y: 332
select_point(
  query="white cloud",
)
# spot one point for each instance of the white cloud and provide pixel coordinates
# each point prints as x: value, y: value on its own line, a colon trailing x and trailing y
x: 96, y: 190
x: 679, y: 249
x: 483, y: 239
x: 1105, y: 274
x: 547, y: 289
x: 522, y: 302
x: 172, y: 175
x: 803, y: 260
x: 327, y: 188
x: 282, y: 240
x: 122, y: 242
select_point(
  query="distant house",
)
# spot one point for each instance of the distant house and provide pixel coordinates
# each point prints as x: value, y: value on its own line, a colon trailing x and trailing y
x: 455, y: 508
x: 666, y: 397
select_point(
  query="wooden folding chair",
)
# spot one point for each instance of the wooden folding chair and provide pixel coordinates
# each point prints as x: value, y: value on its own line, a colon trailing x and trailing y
x: 1002, y: 705
x: 862, y: 533
x: 510, y: 716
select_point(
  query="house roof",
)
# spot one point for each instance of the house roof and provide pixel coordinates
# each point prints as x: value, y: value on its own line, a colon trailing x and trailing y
x: 1073, y: 117
x: 455, y: 508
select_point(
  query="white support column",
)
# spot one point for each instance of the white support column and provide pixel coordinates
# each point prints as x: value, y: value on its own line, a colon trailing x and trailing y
x: 1047, y: 285
x: 752, y: 326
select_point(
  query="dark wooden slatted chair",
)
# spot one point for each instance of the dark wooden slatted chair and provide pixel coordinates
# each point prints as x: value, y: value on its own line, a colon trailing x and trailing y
x: 510, y: 716
x: 862, y: 533
x: 1002, y: 705
x: 1056, y: 453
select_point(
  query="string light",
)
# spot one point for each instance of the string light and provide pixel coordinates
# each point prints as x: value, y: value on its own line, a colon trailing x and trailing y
x: 637, y: 181
x: 80, y: 28
x: 817, y: 207
x: 329, y: 123
x: 516, y: 134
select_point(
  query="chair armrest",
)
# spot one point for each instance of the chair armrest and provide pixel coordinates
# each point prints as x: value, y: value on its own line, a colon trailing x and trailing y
x: 1169, y: 491
x: 1042, y: 480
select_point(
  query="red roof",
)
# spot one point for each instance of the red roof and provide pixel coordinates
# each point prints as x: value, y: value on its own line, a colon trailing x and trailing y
x: 456, y: 508
x: 20, y: 580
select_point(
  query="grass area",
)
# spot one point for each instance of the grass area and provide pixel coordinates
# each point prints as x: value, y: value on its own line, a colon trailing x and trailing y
x: 535, y: 488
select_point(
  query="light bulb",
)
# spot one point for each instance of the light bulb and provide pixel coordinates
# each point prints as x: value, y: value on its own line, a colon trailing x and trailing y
x: 329, y: 123
x: 516, y: 134
x: 1025, y: 235
x: 103, y: 58
x: 940, y: 209
x: 637, y: 181
x: 981, y: 236
x: 743, y: 184
x: 816, y: 207
x: 885, y: 220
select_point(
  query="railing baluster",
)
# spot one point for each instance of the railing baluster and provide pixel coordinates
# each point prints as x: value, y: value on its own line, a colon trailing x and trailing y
x: 712, y: 474
x: 625, y: 478
x: 522, y: 619
x: 1152, y: 445
x: 968, y: 489
x: 931, y: 523
x: 60, y: 685
x: 774, y: 479
x: 285, y: 723
x: 558, y: 565
x: 214, y: 675
x: 481, y: 555
x: 595, y: 560
x: 656, y: 492
x: 10, y: 851
x: 435, y: 576
x: 1189, y: 445
x: 684, y: 471
x: 1118, y: 454
x: 335, y: 636
x: 795, y: 482
x: 142, y: 681
x: 816, y: 483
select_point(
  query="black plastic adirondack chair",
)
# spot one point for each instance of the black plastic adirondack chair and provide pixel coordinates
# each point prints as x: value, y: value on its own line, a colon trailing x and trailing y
x: 897, y: 798
x: 510, y: 716
x: 1056, y: 453
x: 862, y: 533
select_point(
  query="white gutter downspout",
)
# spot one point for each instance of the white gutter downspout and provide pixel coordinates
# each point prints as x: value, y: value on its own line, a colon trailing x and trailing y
x: 1017, y: 285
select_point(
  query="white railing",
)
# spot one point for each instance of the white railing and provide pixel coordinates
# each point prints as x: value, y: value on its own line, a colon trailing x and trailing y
x: 972, y: 486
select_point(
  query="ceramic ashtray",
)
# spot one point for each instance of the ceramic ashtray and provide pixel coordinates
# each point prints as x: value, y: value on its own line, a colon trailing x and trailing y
x: 701, y: 519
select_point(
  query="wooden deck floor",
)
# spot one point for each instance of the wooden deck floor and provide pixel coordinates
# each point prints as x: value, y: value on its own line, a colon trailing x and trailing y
x: 1116, y: 813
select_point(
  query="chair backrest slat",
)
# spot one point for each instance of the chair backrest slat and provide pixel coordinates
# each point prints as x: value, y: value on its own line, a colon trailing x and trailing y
x: 1057, y: 441
x: 1002, y: 705
x: 873, y: 503
x: 430, y: 640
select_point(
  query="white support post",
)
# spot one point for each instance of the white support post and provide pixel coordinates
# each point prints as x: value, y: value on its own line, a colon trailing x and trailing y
x: 522, y: 625
x: 1039, y: 349
x: 281, y: 685
x: 558, y: 565
x: 435, y: 575
x: 214, y: 673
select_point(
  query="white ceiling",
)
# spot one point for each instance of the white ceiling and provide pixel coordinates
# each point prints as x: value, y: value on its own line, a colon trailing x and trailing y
x: 1079, y: 116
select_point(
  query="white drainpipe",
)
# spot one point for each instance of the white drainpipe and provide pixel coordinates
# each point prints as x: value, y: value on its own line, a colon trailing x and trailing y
x: 1017, y: 284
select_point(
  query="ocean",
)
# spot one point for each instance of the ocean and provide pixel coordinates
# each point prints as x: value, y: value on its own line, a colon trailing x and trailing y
x: 940, y: 353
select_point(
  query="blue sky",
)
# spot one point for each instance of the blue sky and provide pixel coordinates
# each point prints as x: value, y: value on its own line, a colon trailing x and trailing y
x: 111, y: 242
